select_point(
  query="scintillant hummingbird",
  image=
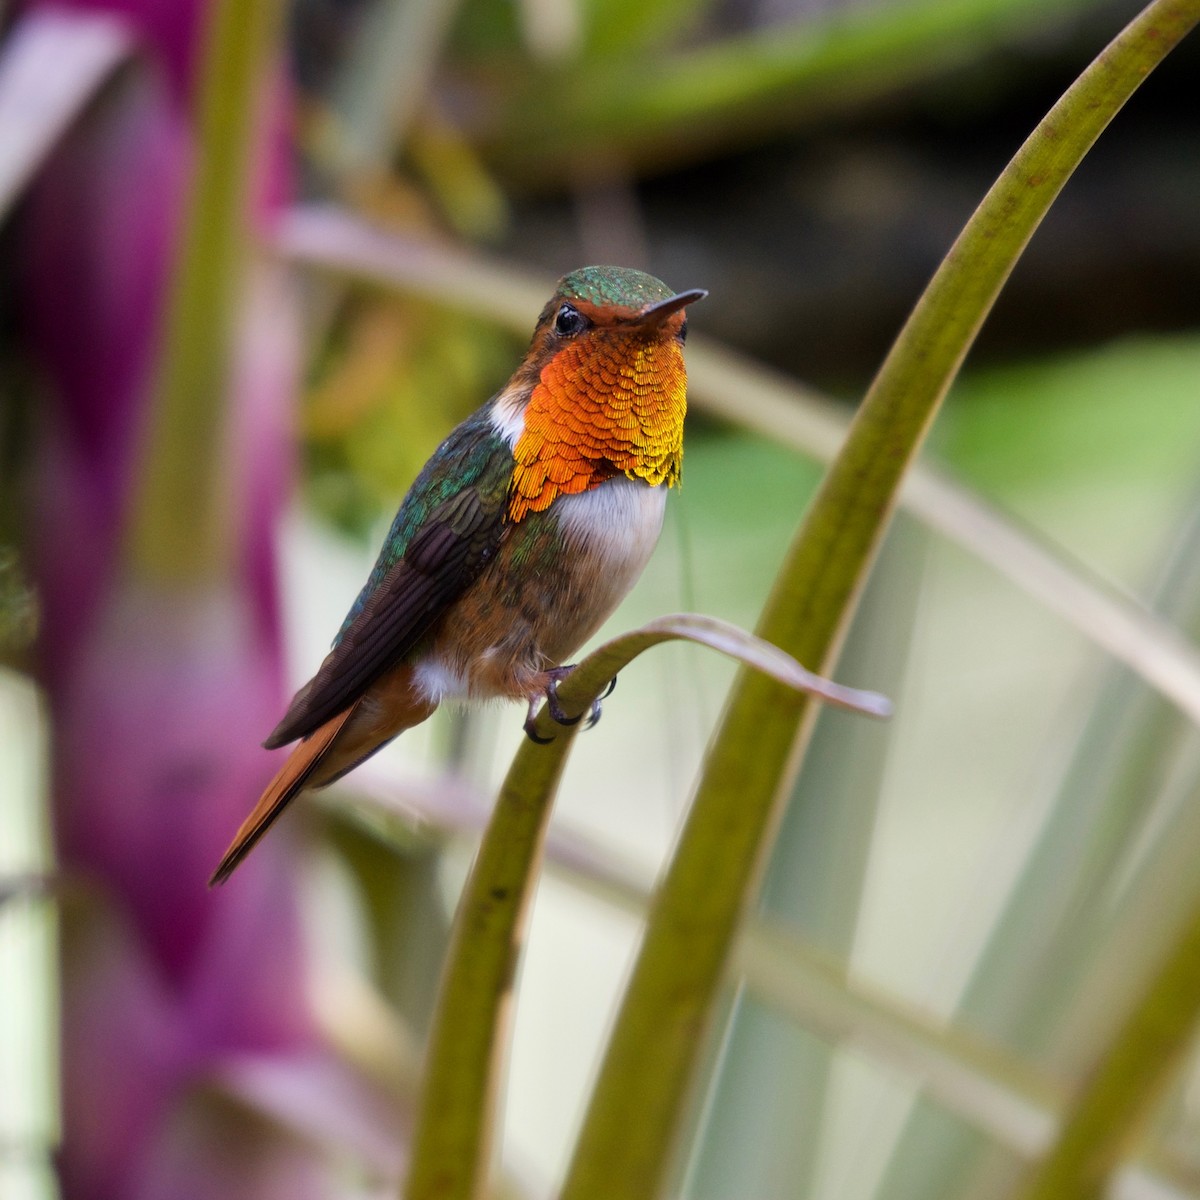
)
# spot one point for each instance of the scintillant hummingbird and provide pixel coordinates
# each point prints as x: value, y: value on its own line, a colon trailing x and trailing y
x: 519, y: 537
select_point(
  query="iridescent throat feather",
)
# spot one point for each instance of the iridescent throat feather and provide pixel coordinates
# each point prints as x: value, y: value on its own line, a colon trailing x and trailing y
x: 610, y: 404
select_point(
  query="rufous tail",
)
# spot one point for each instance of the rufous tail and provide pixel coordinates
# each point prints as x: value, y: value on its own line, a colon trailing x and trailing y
x: 288, y: 783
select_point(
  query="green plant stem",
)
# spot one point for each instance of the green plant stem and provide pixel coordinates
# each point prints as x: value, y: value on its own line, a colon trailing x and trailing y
x: 1123, y: 1087
x: 627, y: 1137
x: 452, y: 1138
x: 178, y: 531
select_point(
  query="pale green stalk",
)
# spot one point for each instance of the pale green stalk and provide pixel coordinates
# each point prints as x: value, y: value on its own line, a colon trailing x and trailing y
x: 387, y: 78
x: 626, y: 1142
x: 178, y: 528
x: 1062, y: 908
x: 1127, y: 1081
x: 815, y: 886
x: 1141, y: 767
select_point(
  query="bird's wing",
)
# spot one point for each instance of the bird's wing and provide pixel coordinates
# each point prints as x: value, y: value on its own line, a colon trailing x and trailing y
x: 448, y: 528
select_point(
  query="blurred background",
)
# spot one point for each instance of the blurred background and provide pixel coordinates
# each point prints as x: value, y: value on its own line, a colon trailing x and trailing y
x: 212, y: 400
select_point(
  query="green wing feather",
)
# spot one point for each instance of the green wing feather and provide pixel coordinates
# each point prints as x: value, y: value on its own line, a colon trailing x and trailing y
x: 447, y: 529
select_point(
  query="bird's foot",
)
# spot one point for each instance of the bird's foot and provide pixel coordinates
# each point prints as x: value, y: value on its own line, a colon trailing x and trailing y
x: 557, y: 713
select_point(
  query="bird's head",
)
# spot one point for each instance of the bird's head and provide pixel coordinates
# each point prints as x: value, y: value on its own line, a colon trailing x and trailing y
x: 603, y: 389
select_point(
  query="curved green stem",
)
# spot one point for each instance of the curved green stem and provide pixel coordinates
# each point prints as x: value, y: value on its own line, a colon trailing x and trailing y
x: 627, y: 1138
x: 1123, y: 1087
x: 452, y: 1137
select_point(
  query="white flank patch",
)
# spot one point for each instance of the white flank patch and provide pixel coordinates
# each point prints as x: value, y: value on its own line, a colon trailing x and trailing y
x: 508, y: 415
x: 436, y: 680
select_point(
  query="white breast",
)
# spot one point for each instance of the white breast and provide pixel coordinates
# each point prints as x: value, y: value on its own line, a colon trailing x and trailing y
x: 615, y: 527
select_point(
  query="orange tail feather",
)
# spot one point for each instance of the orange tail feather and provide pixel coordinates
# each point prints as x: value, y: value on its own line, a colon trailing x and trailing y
x: 288, y: 783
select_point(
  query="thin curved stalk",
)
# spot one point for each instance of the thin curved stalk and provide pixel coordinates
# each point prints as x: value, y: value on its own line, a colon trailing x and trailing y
x: 749, y: 395
x: 627, y: 1138
x: 452, y: 1136
x: 1121, y: 1090
x: 386, y: 78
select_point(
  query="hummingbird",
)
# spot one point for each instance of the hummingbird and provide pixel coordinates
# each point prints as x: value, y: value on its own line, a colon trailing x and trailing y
x: 518, y: 538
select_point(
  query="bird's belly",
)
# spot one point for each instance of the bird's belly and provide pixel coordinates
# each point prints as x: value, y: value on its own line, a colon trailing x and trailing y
x: 558, y: 576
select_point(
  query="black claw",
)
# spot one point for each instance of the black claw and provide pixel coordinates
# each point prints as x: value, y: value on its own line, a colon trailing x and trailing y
x: 594, y: 714
x: 532, y: 734
x: 554, y: 706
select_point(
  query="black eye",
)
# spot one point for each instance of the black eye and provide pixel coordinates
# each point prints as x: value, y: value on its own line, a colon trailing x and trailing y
x: 569, y: 321
x: 682, y: 334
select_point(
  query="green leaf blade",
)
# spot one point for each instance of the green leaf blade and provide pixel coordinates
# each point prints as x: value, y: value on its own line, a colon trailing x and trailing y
x: 627, y: 1140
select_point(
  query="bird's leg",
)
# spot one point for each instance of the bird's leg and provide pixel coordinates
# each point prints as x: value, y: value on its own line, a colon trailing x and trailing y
x: 531, y: 724
x: 555, y: 706
x: 557, y: 712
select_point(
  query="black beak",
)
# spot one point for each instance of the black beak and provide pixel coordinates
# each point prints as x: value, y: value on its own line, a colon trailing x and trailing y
x: 653, y: 314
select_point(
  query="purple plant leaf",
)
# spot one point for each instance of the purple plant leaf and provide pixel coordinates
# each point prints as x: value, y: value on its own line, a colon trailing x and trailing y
x: 159, y: 695
x: 170, y: 30
x: 97, y: 241
x: 119, y: 1050
x: 320, y: 1099
x: 52, y: 65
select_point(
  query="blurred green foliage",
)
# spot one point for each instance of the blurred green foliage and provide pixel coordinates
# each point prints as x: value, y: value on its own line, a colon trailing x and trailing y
x: 1124, y: 413
x: 392, y: 379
